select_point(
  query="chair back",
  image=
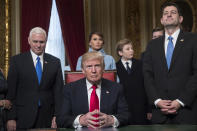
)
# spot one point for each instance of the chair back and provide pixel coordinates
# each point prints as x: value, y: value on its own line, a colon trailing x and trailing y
x: 71, y: 76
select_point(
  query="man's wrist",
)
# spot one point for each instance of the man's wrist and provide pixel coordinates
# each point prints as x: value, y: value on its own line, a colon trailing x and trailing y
x: 76, y: 123
x: 157, y: 101
x: 115, y: 121
x: 180, y: 102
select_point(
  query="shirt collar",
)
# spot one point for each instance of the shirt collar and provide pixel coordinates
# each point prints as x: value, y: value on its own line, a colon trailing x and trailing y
x: 34, y: 56
x: 89, y: 85
x: 174, y: 35
x: 124, y: 62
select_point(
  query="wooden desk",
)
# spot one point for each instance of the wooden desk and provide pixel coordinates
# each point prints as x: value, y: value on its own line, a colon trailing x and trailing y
x: 133, y: 128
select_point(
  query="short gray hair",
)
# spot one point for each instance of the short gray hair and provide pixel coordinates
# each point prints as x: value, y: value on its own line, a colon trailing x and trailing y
x: 37, y: 30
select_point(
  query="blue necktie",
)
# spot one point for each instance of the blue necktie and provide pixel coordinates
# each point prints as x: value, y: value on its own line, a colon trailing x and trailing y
x: 39, y: 74
x: 128, y: 68
x: 38, y: 69
x: 169, y: 52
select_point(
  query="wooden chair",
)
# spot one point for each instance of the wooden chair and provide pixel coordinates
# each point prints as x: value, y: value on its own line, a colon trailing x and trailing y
x: 71, y: 76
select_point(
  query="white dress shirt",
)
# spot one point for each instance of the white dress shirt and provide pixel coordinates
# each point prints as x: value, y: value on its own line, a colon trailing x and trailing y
x: 125, y: 65
x: 174, y: 36
x: 34, y: 57
x: 76, y: 123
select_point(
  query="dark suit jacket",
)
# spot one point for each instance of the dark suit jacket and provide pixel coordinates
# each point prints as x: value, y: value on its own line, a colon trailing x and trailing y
x: 75, y: 102
x: 179, y: 82
x: 3, y: 91
x: 133, y: 86
x: 3, y: 86
x: 24, y: 90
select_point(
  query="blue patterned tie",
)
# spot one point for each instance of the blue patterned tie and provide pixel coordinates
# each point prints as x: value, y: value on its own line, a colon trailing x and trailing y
x: 169, y: 52
x: 38, y: 69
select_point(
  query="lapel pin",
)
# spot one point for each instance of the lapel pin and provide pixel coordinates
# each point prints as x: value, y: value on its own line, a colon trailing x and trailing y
x: 107, y: 92
x: 182, y: 40
x: 45, y: 62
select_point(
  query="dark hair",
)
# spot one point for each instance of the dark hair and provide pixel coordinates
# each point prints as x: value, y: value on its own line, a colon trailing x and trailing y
x: 170, y: 4
x: 157, y: 29
x: 96, y: 33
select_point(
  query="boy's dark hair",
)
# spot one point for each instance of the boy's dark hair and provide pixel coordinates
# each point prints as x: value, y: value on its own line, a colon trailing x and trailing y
x: 157, y: 29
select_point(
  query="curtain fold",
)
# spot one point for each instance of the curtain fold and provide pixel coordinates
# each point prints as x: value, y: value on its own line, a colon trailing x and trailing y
x: 33, y: 13
x: 72, y: 24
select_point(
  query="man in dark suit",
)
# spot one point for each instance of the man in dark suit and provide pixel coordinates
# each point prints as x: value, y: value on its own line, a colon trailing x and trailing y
x: 157, y: 32
x: 4, y: 104
x: 110, y: 105
x: 34, y: 85
x: 170, y: 71
x: 129, y: 71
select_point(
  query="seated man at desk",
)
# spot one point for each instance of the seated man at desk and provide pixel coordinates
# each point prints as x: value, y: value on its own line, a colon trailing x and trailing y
x: 93, y: 101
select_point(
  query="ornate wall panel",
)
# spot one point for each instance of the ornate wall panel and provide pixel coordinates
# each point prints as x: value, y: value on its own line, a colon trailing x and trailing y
x: 193, y: 5
x: 4, y: 34
x: 108, y: 17
x: 133, y: 24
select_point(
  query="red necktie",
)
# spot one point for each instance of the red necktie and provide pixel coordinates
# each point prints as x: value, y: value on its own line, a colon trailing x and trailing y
x: 94, y: 101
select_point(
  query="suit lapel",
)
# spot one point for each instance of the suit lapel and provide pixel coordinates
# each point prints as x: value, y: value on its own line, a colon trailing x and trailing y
x: 161, y: 53
x: 83, y: 95
x: 133, y: 66
x: 177, y: 48
x: 30, y: 65
x: 105, y: 94
x: 122, y: 68
x: 45, y: 67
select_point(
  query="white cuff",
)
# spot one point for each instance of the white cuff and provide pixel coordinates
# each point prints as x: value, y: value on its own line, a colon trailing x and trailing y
x: 116, y: 122
x: 157, y: 101
x: 76, y: 123
x: 180, y: 102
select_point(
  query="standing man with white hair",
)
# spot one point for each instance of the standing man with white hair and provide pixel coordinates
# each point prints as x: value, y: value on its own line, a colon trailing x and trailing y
x: 34, y: 85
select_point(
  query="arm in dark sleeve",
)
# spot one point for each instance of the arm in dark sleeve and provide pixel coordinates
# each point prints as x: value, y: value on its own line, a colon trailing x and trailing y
x: 12, y: 88
x: 3, y: 84
x: 122, y: 109
x: 65, y: 118
x: 149, y: 75
x: 58, y: 86
x: 188, y: 95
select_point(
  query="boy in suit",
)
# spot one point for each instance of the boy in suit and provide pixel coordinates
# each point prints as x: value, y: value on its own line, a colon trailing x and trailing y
x: 129, y: 71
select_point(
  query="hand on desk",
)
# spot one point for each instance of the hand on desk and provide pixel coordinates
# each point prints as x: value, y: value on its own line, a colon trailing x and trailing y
x: 168, y: 106
x: 11, y: 125
x: 105, y: 120
x: 89, y: 120
x: 53, y: 123
x: 149, y: 116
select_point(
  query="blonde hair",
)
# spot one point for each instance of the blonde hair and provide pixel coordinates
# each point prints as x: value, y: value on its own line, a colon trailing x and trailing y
x: 121, y: 44
x: 92, y: 56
